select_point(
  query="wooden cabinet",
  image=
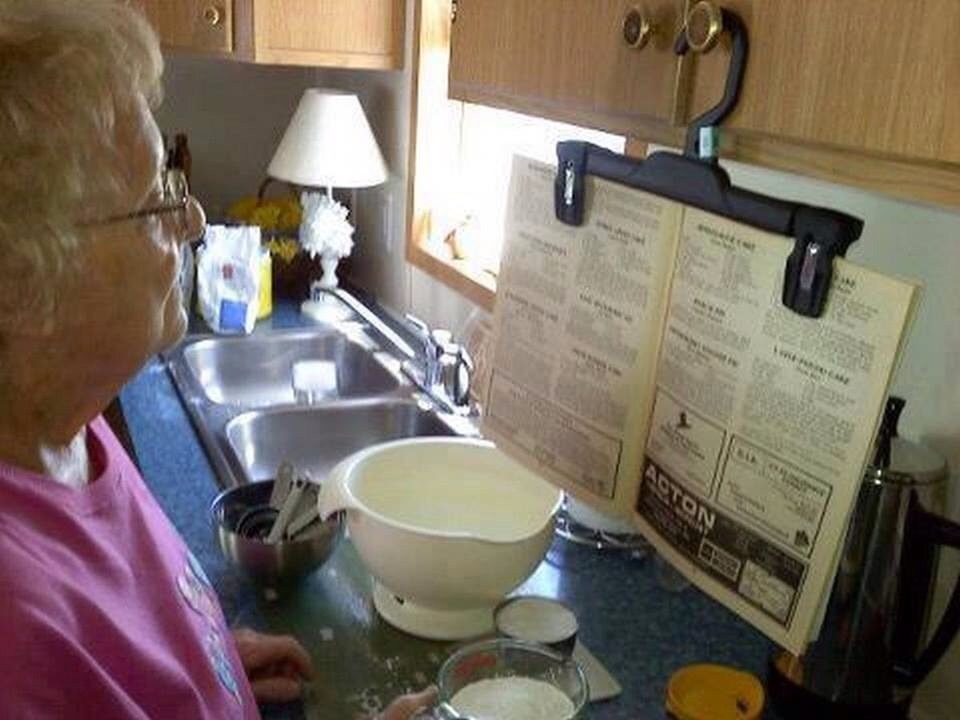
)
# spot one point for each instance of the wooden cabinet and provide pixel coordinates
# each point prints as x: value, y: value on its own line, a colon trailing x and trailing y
x: 365, y: 34
x: 871, y: 76
x: 856, y: 91
x: 202, y: 25
x: 342, y: 33
x: 567, y: 59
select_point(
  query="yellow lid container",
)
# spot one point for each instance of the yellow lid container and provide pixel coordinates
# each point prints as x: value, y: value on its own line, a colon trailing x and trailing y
x: 265, y: 296
x: 714, y: 692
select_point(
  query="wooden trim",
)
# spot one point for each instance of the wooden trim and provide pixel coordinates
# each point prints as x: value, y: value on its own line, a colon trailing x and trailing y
x: 198, y: 52
x: 416, y: 212
x: 398, y: 51
x: 640, y: 126
x: 231, y: 23
x: 937, y: 183
x: 338, y: 58
x: 430, y: 151
x: 243, y: 29
x: 476, y: 285
x: 913, y: 180
x: 413, y: 235
x: 261, y: 21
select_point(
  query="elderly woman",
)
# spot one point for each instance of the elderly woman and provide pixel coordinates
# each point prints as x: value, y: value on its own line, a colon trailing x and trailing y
x: 104, y: 612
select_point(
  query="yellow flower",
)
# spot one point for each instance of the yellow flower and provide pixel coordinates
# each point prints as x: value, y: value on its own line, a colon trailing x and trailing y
x: 281, y: 213
x: 266, y: 216
x: 241, y: 209
x: 290, y: 214
x: 283, y: 248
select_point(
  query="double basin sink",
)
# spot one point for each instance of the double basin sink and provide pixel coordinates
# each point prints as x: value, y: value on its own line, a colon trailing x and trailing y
x: 240, y: 394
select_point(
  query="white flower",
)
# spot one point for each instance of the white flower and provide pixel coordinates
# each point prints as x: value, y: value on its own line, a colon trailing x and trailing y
x: 324, y: 228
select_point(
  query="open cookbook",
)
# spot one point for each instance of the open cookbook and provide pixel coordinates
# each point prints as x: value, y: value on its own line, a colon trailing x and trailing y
x: 644, y: 363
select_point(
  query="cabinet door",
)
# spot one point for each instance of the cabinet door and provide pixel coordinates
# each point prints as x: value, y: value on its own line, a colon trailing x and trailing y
x: 339, y: 33
x: 202, y: 25
x: 566, y: 59
x: 874, y: 76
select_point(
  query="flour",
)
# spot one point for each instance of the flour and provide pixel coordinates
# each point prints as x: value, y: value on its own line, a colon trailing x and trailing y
x: 512, y: 698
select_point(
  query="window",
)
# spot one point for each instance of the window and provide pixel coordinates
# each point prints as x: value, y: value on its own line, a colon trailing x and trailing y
x: 476, y: 205
x: 460, y: 166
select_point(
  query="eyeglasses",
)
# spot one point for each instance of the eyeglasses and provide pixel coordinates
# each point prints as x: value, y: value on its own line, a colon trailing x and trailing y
x: 175, y: 196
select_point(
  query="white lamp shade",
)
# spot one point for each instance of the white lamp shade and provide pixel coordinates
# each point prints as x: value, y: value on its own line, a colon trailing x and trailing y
x: 328, y: 143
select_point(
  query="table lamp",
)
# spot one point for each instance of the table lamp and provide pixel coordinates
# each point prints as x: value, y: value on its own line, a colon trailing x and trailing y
x: 327, y: 144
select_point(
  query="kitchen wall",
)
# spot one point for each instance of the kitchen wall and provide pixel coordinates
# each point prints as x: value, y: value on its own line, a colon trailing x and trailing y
x: 235, y: 115
x: 923, y: 244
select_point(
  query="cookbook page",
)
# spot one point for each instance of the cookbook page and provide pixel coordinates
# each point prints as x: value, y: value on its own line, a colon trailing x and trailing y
x: 576, y: 327
x: 763, y: 421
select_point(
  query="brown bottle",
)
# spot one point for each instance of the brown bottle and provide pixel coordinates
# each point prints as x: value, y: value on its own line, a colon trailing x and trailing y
x: 180, y: 155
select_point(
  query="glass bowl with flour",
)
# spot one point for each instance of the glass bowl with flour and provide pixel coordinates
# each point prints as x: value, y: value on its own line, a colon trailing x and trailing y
x: 505, y: 679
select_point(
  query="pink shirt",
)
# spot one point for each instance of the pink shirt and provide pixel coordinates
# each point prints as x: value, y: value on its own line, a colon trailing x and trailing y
x: 104, y: 612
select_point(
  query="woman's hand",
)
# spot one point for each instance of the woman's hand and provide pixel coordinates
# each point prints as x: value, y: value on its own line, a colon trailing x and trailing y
x: 406, y: 706
x: 275, y: 664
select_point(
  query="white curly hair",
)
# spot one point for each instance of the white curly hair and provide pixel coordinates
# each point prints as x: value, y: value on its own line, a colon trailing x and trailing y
x: 67, y: 68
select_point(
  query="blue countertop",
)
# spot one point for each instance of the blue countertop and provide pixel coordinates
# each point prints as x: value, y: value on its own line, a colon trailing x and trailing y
x: 638, y: 630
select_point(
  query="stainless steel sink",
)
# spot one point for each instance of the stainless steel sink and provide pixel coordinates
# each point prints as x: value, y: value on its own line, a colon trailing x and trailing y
x: 257, y: 371
x: 315, y: 438
x: 239, y: 393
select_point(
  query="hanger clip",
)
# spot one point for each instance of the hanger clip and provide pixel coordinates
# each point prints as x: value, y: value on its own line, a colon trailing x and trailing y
x: 820, y: 235
x: 569, y: 184
x: 708, y: 147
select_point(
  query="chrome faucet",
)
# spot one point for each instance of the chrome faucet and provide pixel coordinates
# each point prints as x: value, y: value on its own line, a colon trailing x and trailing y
x: 447, y: 367
x: 432, y: 340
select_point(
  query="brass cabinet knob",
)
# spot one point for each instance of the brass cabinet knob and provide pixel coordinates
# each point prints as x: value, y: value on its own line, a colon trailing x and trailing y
x: 703, y: 26
x: 212, y: 15
x: 637, y: 28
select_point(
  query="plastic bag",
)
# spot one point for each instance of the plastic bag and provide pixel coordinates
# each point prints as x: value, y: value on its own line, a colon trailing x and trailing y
x: 228, y: 278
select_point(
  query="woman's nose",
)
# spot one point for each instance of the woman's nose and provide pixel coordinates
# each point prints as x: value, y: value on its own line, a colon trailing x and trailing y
x: 194, y: 221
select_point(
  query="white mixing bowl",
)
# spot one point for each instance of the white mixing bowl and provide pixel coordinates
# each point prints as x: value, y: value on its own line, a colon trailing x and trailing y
x: 447, y: 526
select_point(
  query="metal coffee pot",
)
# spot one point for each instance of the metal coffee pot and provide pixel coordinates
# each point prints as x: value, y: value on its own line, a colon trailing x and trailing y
x: 871, y: 653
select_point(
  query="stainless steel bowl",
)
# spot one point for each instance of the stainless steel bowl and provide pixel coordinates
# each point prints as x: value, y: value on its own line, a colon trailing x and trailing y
x: 268, y: 563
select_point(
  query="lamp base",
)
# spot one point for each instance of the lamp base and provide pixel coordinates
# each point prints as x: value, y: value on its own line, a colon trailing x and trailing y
x: 325, y: 309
